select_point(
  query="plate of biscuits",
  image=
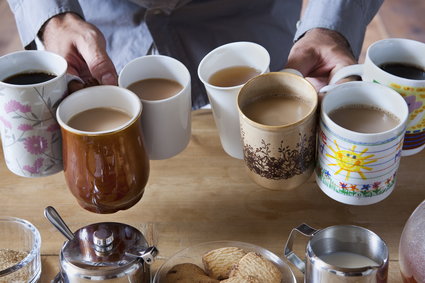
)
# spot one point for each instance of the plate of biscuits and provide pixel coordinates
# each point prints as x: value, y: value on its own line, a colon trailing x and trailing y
x: 224, y: 262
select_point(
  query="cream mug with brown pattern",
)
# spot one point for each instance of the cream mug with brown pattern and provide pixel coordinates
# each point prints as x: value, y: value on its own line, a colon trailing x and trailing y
x: 277, y: 113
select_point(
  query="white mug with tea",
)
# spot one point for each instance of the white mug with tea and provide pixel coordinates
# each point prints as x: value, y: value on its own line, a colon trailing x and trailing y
x: 223, y: 72
x: 399, y: 64
x: 163, y: 85
x: 32, y: 84
x: 360, y: 139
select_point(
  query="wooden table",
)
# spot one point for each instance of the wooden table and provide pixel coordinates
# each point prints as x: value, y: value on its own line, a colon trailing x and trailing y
x: 202, y: 194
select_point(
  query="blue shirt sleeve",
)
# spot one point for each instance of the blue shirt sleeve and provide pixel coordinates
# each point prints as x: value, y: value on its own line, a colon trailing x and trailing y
x: 348, y: 17
x: 30, y: 15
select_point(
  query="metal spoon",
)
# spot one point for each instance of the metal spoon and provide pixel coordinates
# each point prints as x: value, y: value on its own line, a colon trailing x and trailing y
x: 53, y: 216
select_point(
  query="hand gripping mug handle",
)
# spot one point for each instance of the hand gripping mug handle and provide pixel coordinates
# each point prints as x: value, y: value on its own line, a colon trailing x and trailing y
x: 345, y: 72
x: 304, y: 230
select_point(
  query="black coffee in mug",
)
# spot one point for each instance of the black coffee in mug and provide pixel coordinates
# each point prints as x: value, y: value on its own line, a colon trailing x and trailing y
x: 404, y: 70
x: 29, y: 77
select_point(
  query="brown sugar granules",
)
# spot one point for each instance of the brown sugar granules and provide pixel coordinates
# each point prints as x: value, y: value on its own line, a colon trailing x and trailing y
x: 9, y: 258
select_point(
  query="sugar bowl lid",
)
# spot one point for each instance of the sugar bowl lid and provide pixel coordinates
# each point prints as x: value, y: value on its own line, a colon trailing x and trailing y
x: 107, y: 244
x: 101, y: 249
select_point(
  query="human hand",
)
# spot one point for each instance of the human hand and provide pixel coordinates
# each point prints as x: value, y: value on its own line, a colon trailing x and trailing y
x: 319, y: 54
x: 83, y: 47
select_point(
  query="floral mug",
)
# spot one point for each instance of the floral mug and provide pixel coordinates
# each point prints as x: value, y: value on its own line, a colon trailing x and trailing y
x: 30, y: 134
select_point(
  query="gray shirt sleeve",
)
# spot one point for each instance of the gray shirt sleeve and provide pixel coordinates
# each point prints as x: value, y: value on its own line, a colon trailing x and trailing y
x: 348, y: 17
x: 30, y: 15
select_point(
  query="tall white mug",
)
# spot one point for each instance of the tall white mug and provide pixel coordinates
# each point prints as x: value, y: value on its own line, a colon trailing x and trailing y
x: 166, y: 122
x: 223, y: 99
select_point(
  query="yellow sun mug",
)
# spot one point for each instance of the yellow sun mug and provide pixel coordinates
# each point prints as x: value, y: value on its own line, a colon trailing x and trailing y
x: 360, y: 140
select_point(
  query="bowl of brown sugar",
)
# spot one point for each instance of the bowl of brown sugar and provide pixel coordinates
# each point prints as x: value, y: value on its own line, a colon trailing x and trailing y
x: 20, y: 244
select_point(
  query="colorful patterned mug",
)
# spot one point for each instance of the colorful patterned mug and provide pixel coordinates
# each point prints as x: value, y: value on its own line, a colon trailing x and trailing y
x: 401, y: 52
x: 30, y: 134
x: 353, y: 167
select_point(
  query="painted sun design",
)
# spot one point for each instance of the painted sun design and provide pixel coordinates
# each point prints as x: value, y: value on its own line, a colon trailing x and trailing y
x: 351, y: 161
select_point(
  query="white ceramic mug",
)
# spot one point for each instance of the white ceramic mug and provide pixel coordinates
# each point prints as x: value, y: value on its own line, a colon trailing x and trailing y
x: 396, y: 50
x: 223, y: 99
x: 30, y: 134
x: 167, y: 122
x: 359, y: 168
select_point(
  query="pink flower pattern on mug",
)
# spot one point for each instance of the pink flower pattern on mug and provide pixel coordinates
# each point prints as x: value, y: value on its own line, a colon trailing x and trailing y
x: 53, y: 127
x: 35, y: 168
x: 25, y: 127
x: 35, y: 144
x: 5, y: 122
x: 28, y: 125
x: 13, y: 106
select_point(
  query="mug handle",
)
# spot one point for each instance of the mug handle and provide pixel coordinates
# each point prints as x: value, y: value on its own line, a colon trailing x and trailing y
x: 70, y: 78
x: 304, y: 230
x: 292, y: 71
x: 344, y: 72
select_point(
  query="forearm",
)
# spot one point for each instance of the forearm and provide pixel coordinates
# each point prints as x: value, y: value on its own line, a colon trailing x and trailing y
x: 347, y: 17
x: 30, y: 15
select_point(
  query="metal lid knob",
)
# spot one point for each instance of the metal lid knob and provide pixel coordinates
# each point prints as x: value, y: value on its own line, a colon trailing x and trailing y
x: 102, y: 240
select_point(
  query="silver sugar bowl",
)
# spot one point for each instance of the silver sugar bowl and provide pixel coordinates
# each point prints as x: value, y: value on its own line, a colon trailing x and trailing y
x: 103, y: 252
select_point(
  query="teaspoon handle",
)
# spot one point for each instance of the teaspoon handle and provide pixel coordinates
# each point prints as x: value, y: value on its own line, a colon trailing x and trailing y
x: 53, y: 216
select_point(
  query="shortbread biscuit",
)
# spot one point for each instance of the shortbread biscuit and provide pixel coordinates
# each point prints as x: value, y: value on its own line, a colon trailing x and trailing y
x: 196, y: 279
x: 219, y: 262
x: 248, y: 279
x: 253, y: 264
x: 187, y: 273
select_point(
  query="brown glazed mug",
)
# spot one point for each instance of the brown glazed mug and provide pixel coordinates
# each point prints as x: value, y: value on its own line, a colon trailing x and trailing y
x: 279, y: 148
x: 105, y: 170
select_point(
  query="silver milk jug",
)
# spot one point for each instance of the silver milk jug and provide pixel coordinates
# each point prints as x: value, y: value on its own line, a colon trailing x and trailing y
x: 341, y: 253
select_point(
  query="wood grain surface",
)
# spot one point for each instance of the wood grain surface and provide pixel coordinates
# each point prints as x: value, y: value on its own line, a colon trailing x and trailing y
x: 202, y: 194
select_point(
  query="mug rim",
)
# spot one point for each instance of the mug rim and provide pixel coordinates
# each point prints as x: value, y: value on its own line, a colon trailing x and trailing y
x: 325, y: 119
x: 30, y: 53
x: 217, y: 49
x: 137, y: 60
x: 397, y: 41
x: 305, y: 118
x: 83, y: 92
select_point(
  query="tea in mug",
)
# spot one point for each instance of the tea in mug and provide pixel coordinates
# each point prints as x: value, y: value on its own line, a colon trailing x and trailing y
x: 404, y: 70
x: 155, y: 88
x: 276, y: 110
x: 29, y: 77
x: 99, y: 119
x: 233, y: 76
x: 364, y: 119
